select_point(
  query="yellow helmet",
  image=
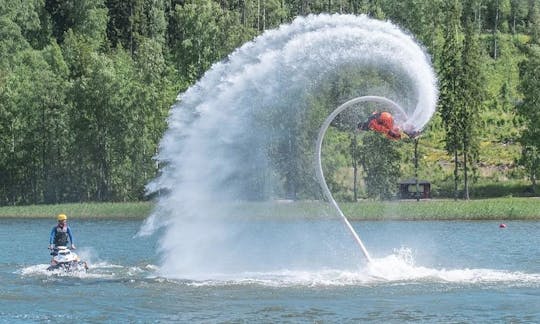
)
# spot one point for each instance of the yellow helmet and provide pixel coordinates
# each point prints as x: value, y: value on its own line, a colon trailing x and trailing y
x: 61, y: 217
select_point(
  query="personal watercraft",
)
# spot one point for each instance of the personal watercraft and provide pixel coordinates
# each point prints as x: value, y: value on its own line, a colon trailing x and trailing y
x: 67, y: 260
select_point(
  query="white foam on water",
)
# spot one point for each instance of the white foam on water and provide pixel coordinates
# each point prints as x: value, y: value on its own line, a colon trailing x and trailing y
x: 41, y: 270
x: 97, y: 270
x: 401, y: 266
x: 397, y: 268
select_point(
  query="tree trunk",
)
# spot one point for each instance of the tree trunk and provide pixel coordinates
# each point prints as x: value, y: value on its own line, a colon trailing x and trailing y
x: 264, y: 15
x: 534, y: 175
x: 455, y: 173
x: 465, y: 174
x: 496, y: 24
x: 243, y: 12
x: 416, y: 169
x: 355, y: 184
x: 355, y: 167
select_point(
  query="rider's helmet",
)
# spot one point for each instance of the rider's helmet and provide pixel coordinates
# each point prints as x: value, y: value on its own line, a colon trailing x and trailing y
x: 386, y: 119
x: 61, y: 217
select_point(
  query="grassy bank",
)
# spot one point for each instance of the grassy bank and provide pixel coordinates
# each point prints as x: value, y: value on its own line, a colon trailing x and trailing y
x: 134, y: 210
x: 482, y: 209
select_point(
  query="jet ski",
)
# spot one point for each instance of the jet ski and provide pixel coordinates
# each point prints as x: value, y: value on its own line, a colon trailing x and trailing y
x: 67, y: 260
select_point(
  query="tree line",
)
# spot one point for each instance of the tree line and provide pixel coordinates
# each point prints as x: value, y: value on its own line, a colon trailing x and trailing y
x: 86, y: 85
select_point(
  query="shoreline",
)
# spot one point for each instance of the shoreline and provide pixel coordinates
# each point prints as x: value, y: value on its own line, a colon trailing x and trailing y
x: 509, y: 208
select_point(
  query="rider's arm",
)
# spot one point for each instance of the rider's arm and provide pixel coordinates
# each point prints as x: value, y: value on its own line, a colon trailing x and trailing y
x: 70, y: 236
x: 51, y: 238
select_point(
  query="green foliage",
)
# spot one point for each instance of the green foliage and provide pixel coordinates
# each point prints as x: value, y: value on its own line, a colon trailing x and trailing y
x: 86, y: 85
x: 529, y: 111
x: 336, y: 161
x: 450, y: 100
x: 34, y: 114
x: 24, y: 13
x: 87, y: 18
x: 198, y: 42
x: 11, y: 41
x: 380, y: 158
x: 472, y: 85
x: 534, y: 21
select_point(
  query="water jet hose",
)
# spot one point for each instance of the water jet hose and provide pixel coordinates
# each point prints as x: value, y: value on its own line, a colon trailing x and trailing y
x: 320, y: 175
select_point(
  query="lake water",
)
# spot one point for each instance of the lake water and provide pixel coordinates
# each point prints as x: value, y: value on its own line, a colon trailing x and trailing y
x: 421, y: 272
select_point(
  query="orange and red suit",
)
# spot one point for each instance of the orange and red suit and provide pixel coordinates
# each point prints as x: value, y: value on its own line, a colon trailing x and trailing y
x: 383, y: 123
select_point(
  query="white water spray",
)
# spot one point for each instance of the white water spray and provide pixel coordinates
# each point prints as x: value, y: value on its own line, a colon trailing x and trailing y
x: 244, y: 133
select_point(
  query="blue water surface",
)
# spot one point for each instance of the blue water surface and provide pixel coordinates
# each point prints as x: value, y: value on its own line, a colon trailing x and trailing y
x: 422, y: 272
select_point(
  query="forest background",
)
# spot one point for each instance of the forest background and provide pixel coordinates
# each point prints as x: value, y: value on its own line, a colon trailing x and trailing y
x: 86, y: 87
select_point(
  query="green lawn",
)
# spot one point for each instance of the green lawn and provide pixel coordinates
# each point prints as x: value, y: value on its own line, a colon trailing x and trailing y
x: 496, y: 208
x: 481, y: 209
x: 136, y: 210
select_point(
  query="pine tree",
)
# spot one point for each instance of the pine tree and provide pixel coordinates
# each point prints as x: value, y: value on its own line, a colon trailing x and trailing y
x: 449, y: 76
x: 472, y: 91
x: 529, y: 111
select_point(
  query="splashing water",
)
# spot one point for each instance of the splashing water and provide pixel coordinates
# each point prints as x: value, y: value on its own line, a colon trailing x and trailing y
x: 245, y: 132
x: 398, y: 267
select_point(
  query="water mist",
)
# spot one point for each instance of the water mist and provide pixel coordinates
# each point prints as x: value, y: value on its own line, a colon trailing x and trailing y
x: 243, y: 137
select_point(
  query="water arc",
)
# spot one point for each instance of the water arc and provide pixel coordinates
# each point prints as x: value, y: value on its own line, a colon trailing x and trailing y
x: 319, y: 170
x: 245, y: 131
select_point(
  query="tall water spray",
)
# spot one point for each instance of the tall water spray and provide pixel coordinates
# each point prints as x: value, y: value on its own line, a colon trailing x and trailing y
x: 245, y: 134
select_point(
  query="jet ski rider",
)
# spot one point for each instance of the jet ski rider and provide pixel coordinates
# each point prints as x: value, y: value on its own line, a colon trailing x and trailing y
x: 61, y: 233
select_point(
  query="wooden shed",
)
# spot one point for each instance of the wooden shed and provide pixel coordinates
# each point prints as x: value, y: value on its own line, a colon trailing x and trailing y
x: 407, y: 189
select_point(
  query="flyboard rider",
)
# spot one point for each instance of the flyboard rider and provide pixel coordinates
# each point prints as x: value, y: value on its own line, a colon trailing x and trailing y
x: 61, y: 233
x: 383, y: 122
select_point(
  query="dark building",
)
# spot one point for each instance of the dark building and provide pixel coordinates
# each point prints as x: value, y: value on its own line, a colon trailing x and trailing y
x: 407, y: 189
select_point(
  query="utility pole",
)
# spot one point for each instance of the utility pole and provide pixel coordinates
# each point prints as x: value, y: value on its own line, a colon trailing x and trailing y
x: 417, y: 194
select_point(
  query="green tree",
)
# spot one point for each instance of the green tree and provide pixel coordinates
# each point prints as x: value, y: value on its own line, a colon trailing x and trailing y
x: 105, y: 113
x: 155, y: 89
x: 449, y: 78
x: 120, y: 23
x: 267, y: 14
x: 472, y: 83
x: 12, y: 41
x: 534, y: 21
x: 498, y: 13
x: 529, y: 111
x: 87, y: 18
x: 29, y: 17
x: 380, y: 160
x: 132, y: 21
x: 33, y: 116
x: 518, y: 15
x: 13, y: 82
x: 421, y: 17
x: 55, y: 135
x: 200, y: 39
